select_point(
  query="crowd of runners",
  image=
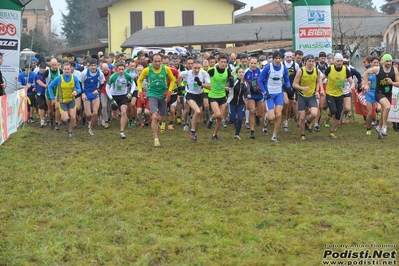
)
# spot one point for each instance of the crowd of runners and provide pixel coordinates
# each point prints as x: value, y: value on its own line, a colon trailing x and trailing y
x: 171, y: 91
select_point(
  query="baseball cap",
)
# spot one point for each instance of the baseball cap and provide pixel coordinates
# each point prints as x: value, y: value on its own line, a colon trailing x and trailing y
x: 338, y: 56
x: 322, y: 54
x: 277, y: 54
x: 386, y: 57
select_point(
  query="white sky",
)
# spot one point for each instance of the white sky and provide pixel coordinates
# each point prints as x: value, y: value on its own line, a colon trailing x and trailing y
x: 60, y: 6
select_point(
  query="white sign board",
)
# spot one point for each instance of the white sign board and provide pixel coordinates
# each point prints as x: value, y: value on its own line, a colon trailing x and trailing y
x: 10, y: 32
x: 313, y: 29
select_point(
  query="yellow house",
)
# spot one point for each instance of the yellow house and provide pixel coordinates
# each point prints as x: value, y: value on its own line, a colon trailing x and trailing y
x: 125, y: 17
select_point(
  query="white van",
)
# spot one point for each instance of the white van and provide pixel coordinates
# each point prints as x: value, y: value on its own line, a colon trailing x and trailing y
x: 155, y: 50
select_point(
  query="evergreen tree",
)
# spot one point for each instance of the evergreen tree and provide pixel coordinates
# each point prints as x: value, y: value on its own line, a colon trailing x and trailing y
x: 35, y: 41
x: 389, y: 7
x: 83, y: 25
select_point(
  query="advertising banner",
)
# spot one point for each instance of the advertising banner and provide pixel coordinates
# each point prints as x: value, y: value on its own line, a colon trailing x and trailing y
x: 313, y: 29
x: 13, y: 112
x: 10, y: 32
x: 393, y: 115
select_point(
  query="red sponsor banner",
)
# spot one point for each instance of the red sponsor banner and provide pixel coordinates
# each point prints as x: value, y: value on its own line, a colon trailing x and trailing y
x: 360, y: 104
x: 315, y: 32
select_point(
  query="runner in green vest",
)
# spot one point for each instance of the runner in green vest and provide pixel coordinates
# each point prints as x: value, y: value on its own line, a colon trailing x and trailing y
x: 158, y: 93
x: 48, y: 76
x: 217, y: 95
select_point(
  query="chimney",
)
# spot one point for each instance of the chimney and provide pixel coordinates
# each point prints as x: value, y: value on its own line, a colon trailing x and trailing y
x: 252, y: 8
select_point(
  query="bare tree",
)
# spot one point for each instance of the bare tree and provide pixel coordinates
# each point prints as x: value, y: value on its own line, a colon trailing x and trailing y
x: 286, y: 8
x: 350, y: 35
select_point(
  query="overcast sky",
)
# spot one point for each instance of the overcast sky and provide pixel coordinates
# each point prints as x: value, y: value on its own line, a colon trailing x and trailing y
x: 60, y: 6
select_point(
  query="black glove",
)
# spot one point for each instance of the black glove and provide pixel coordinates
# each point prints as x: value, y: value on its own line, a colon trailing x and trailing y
x: 196, y: 79
x: 114, y: 104
x: 179, y: 90
x: 230, y: 81
x: 266, y: 95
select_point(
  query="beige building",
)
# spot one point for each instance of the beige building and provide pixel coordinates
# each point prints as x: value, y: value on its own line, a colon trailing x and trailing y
x: 279, y: 11
x: 38, y: 14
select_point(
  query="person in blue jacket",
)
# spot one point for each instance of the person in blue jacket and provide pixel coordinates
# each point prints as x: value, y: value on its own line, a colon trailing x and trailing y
x: 26, y: 79
x: 271, y: 81
x: 41, y: 95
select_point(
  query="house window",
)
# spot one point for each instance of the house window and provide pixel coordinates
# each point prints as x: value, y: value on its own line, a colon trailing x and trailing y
x: 25, y: 23
x: 188, y: 18
x: 159, y: 18
x: 136, y: 21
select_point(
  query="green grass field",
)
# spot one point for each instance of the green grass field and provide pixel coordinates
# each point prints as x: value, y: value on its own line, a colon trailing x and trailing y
x: 100, y: 200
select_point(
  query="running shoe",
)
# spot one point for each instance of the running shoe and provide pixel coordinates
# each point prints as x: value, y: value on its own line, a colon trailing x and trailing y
x: 185, y: 128
x: 42, y: 123
x: 252, y: 136
x: 91, y: 132
x: 103, y: 123
x: 327, y: 123
x: 384, y: 131
x: 69, y: 134
x: 142, y: 126
x: 57, y: 126
x: 209, y: 124
x: 307, y: 127
x: 122, y: 135
x: 247, y: 125
x: 377, y: 128
x: 368, y: 132
x: 106, y: 125
x: 303, y: 137
x: 332, y: 135
x: 266, y: 122
x: 237, y: 137
x: 224, y: 123
x: 178, y: 120
x: 162, y: 127
x: 379, y: 134
x: 171, y: 127
x: 285, y: 127
x: 215, y: 137
x: 274, y: 139
x: 193, y: 137
x: 157, y: 143
x: 264, y: 131
x: 317, y: 128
